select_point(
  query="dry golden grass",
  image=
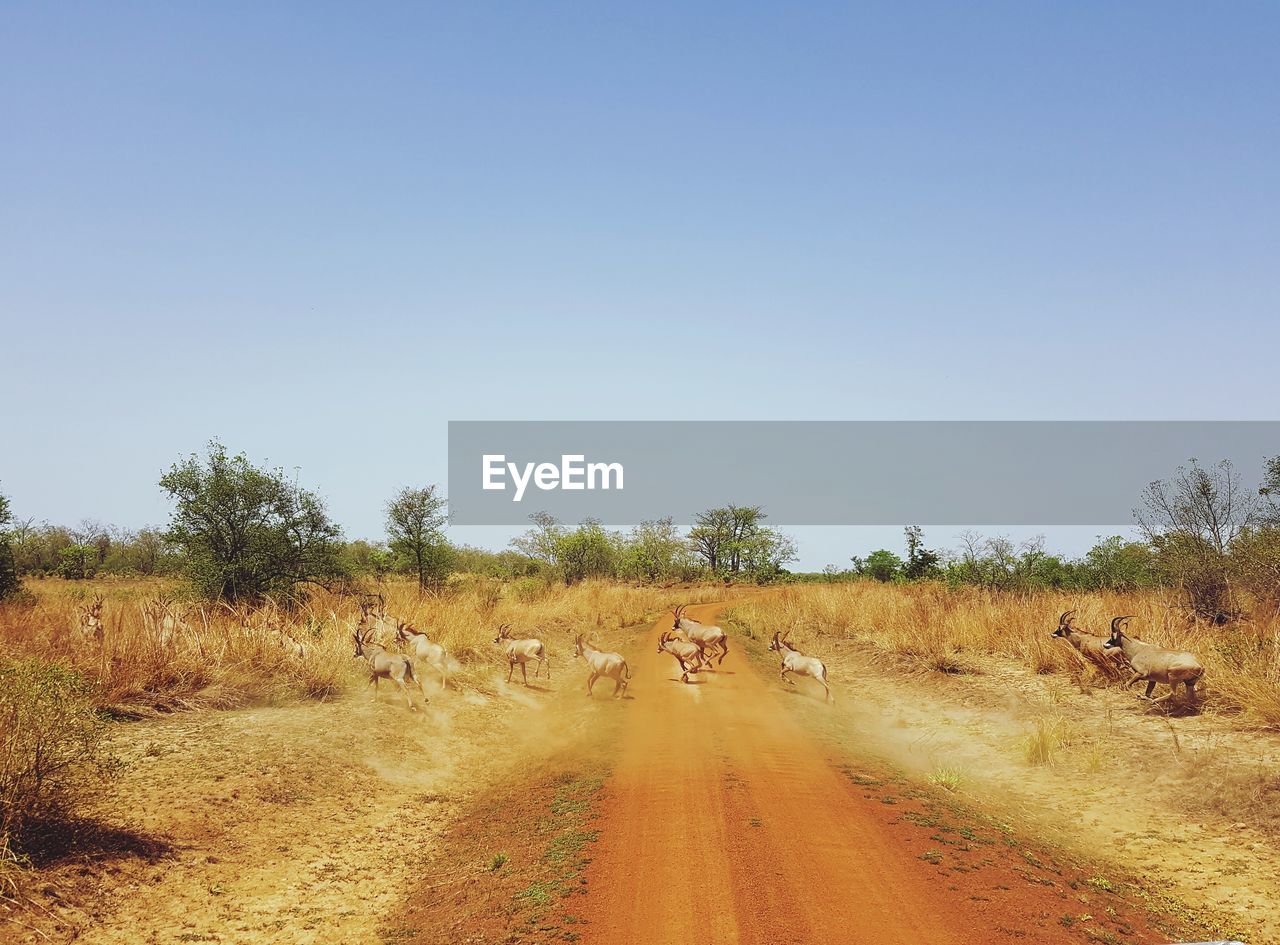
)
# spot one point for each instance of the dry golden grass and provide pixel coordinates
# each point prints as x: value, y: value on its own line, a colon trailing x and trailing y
x: 223, y: 658
x: 935, y: 628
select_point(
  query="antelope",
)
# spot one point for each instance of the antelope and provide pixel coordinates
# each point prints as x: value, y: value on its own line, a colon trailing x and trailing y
x: 163, y: 620
x: 603, y: 664
x: 521, y: 652
x: 291, y: 644
x: 421, y: 647
x: 378, y: 615
x: 384, y: 665
x: 1154, y: 663
x: 1109, y: 662
x: 793, y: 661
x: 706, y: 637
x: 91, y: 620
x: 688, y: 654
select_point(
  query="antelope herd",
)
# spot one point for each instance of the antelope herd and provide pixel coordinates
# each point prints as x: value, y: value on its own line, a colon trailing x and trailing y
x: 695, y: 646
x: 1119, y: 655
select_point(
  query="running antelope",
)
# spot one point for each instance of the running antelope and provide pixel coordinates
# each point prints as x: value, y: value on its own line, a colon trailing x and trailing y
x: 688, y: 654
x: 91, y: 620
x: 1110, y: 662
x: 522, y: 652
x: 603, y: 664
x: 384, y: 665
x: 421, y: 647
x: 793, y: 661
x: 1155, y: 664
x: 706, y: 637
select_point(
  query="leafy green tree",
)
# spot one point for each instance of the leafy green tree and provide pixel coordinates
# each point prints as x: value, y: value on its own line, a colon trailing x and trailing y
x: 732, y: 541
x: 1117, y: 565
x: 587, y: 551
x: 542, y: 540
x: 882, y: 565
x: 921, y: 562
x: 362, y: 557
x: 10, y: 583
x: 77, y: 562
x: 415, y: 529
x: 656, y: 551
x: 763, y: 554
x: 245, y: 531
x: 711, y: 535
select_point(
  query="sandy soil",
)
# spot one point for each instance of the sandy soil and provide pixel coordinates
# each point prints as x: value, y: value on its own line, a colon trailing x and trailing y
x: 303, y: 823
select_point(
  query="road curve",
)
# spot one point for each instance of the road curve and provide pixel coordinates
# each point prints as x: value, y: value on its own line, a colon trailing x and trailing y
x: 724, y: 822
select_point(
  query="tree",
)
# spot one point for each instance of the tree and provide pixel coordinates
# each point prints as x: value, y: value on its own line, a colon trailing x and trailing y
x: 10, y: 584
x: 882, y: 565
x: 1191, y: 521
x: 710, y: 535
x: 726, y: 537
x: 415, y: 529
x: 763, y: 554
x: 77, y: 562
x: 655, y: 551
x: 587, y: 551
x: 540, y: 542
x: 245, y: 531
x: 921, y: 562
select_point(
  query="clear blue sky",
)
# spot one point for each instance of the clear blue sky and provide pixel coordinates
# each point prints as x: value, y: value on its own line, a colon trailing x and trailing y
x: 320, y: 231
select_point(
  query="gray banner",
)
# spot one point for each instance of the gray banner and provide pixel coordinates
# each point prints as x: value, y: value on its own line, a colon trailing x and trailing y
x: 834, y: 472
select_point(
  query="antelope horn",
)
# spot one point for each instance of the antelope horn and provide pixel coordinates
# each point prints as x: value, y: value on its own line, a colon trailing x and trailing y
x: 1116, y: 621
x: 1062, y: 621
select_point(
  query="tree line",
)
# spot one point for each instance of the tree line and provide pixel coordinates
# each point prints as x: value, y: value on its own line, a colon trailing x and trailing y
x: 238, y: 531
x: 1203, y: 530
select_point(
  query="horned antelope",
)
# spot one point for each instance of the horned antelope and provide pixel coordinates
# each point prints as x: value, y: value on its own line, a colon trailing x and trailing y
x: 163, y: 620
x: 521, y: 652
x: 1154, y: 663
x: 707, y: 638
x: 793, y: 661
x: 688, y: 654
x: 1110, y: 662
x: 603, y: 664
x: 421, y: 647
x: 91, y: 620
x: 384, y: 665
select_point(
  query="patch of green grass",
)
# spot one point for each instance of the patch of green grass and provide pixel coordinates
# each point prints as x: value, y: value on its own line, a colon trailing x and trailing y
x: 1100, y: 883
x: 946, y: 779
x: 931, y: 856
x: 498, y: 862
x: 568, y: 845
x: 539, y: 893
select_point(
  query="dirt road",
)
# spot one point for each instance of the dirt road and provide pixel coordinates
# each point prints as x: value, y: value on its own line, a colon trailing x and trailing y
x: 725, y: 822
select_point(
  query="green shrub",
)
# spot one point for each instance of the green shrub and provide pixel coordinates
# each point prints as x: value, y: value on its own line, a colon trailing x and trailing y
x: 50, y: 739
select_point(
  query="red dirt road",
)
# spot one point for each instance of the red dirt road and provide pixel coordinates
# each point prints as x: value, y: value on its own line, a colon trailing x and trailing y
x: 725, y: 822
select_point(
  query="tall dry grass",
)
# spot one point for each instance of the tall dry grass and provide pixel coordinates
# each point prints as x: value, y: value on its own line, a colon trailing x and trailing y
x: 936, y: 628
x: 223, y: 658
